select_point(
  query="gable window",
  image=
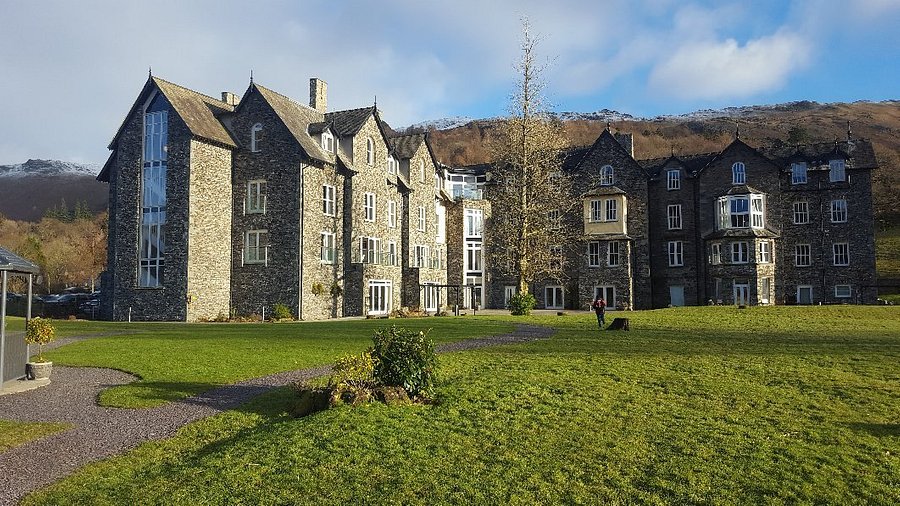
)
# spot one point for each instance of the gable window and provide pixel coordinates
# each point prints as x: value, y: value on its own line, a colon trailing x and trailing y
x: 328, y: 141
x: 738, y: 173
x: 765, y: 252
x: 612, y: 210
x: 369, y: 249
x: 841, y: 253
x: 392, y: 165
x: 801, y: 212
x: 421, y: 224
x: 369, y: 206
x: 152, y: 245
x: 798, y: 173
x: 256, y: 138
x: 596, y: 210
x: 735, y: 212
x: 802, y: 256
x: 838, y: 211
x: 256, y: 197
x: 715, y: 254
x: 474, y: 220
x: 673, y: 179
x: 328, y: 200
x: 594, y: 254
x: 740, y: 252
x: 674, y: 216
x: 842, y: 291
x: 837, y: 171
x: 612, y: 253
x: 392, y: 214
x: 676, y: 254
x: 607, y: 175
x: 256, y: 247
x: 327, y: 251
x: 553, y: 219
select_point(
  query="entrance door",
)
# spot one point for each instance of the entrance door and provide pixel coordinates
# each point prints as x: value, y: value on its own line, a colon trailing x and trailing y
x: 473, y: 294
x: 553, y: 297
x: 379, y: 297
x: 676, y: 295
x: 608, y: 293
x: 804, y: 294
x: 431, y: 297
x: 508, y: 292
x: 741, y: 294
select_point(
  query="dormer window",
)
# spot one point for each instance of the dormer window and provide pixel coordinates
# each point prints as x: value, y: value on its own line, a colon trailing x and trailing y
x: 798, y: 173
x: 673, y: 179
x: 256, y: 138
x: 328, y: 141
x: 607, y: 175
x: 392, y: 165
x: 738, y: 173
x: 837, y: 171
x: 370, y: 151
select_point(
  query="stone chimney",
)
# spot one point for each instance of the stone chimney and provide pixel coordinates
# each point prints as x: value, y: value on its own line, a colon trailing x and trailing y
x: 230, y: 98
x: 318, y: 94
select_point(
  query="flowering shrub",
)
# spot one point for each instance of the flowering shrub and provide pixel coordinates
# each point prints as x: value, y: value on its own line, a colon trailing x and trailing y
x: 39, y: 331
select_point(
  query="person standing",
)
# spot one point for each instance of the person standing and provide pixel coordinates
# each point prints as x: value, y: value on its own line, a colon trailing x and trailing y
x: 599, y: 307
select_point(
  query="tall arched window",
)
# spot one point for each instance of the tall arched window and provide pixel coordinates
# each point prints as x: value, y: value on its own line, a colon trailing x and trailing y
x: 738, y: 173
x: 370, y: 151
x: 256, y: 137
x: 607, y: 175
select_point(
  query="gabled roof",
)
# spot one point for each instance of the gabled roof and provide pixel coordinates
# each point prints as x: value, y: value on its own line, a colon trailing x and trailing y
x: 691, y: 163
x: 405, y: 146
x: 858, y: 151
x: 348, y: 123
x: 297, y: 118
x: 11, y: 262
x: 606, y: 137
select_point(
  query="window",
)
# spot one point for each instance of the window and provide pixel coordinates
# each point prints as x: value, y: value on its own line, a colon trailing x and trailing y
x: 328, y: 141
x: 612, y: 210
x: 674, y: 214
x: 369, y: 249
x: 801, y: 212
x: 841, y: 253
x: 392, y: 165
x: 473, y: 224
x: 392, y: 214
x: 765, y: 252
x: 256, y: 197
x: 467, y: 187
x: 328, y: 200
x: 553, y: 297
x: 441, y: 212
x: 392, y: 253
x: 607, y: 175
x: 765, y: 291
x: 673, y: 179
x: 553, y: 219
x: 370, y: 151
x: 421, y: 171
x: 420, y: 256
x: 327, y: 252
x: 740, y: 252
x: 380, y: 294
x: 152, y: 244
x: 676, y: 254
x: 438, y: 182
x: 596, y: 210
x: 802, y: 256
x: 740, y: 212
x: 369, y: 206
x: 757, y: 211
x: 738, y: 173
x: 256, y: 247
x: 836, y: 171
x: 256, y: 138
x: 715, y: 254
x: 798, y: 173
x: 612, y: 254
x: 842, y: 291
x: 838, y: 211
x: 421, y: 225
x: 735, y: 212
x: 473, y: 256
x: 556, y: 253
x: 594, y: 254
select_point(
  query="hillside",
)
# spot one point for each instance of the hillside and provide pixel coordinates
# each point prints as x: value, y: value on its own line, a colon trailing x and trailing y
x: 28, y: 189
x: 706, y: 131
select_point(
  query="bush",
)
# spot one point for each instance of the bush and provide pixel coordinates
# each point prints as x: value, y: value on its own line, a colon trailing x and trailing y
x: 282, y: 312
x: 354, y: 371
x: 39, y: 331
x: 521, y: 304
x: 404, y: 358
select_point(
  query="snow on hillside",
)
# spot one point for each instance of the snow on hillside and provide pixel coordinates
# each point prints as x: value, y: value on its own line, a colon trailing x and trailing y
x: 48, y: 168
x: 441, y: 123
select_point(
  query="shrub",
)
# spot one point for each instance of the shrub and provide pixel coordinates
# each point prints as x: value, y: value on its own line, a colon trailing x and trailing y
x: 282, y: 312
x: 405, y: 359
x: 521, y: 304
x: 354, y: 371
x: 39, y: 331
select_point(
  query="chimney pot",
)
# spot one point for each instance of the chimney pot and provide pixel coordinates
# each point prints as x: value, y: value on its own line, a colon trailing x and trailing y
x: 230, y: 98
x: 318, y: 94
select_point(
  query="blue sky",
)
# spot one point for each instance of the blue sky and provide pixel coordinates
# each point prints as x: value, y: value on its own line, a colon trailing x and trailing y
x: 69, y: 71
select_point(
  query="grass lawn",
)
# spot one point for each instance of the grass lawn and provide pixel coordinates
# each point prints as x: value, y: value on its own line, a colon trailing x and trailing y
x: 179, y: 360
x: 13, y: 434
x: 713, y: 405
x: 887, y: 252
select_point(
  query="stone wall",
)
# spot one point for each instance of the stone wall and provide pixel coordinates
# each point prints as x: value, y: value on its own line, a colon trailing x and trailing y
x: 322, y: 284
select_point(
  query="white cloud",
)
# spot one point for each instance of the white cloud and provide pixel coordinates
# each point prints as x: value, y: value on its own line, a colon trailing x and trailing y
x: 724, y: 69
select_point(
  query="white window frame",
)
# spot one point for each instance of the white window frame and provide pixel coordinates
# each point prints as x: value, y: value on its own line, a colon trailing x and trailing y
x: 798, y: 173
x: 754, y: 216
x: 801, y: 212
x: 369, y: 206
x: 474, y: 259
x: 837, y: 171
x: 328, y: 200
x: 474, y: 222
x: 392, y: 213
x: 673, y: 179
x: 594, y: 254
x: 255, y: 201
x: 740, y: 252
x: 840, y: 254
x: 613, y: 258
x: 392, y: 253
x: 255, y: 252
x: 369, y: 250
x: 843, y: 291
x: 765, y: 252
x: 596, y: 211
x: 715, y: 253
x: 676, y: 253
x: 558, y: 302
x: 420, y: 226
x: 328, y: 141
x: 673, y: 213
x: 839, y: 211
x: 327, y: 250
x: 256, y: 138
x: 757, y: 211
x: 419, y: 256
x: 765, y: 291
x: 392, y: 165
x: 607, y: 175
x: 802, y: 255
x: 612, y: 210
x: 370, y: 151
x: 381, y: 293
x: 738, y: 173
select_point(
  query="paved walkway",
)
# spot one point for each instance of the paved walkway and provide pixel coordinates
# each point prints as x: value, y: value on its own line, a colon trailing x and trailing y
x: 100, y: 432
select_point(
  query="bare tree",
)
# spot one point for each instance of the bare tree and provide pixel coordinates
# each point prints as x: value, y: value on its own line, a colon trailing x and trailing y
x: 530, y: 192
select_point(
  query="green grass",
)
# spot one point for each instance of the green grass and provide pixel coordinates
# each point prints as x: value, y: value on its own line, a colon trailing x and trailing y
x: 13, y: 434
x: 175, y: 361
x: 887, y: 252
x: 777, y: 405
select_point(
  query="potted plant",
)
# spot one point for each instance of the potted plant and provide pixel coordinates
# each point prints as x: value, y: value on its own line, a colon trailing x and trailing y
x: 39, y: 331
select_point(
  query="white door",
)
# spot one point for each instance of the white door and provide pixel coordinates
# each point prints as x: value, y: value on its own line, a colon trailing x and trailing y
x: 553, y: 297
x: 804, y: 294
x: 676, y: 295
x: 431, y: 297
x: 508, y: 292
x: 379, y: 297
x: 608, y: 293
x: 741, y: 294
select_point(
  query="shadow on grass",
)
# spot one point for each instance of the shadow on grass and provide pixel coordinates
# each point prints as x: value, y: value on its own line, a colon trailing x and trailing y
x: 877, y: 429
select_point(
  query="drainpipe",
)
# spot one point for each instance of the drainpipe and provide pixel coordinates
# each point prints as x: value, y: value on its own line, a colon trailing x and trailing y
x: 302, y: 237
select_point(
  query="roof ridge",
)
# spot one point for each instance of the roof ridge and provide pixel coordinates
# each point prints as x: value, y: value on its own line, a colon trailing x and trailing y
x: 192, y: 91
x: 282, y: 95
x: 352, y: 110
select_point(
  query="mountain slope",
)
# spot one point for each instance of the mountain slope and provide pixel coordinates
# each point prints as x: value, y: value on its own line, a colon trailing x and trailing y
x: 28, y: 189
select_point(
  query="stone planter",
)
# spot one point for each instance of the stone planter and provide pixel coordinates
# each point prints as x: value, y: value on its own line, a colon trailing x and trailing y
x: 38, y: 370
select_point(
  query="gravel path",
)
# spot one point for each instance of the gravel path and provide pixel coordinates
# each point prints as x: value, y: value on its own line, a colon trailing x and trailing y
x: 100, y: 432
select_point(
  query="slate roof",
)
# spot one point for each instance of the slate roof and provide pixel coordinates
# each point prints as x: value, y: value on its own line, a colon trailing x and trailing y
x: 348, y: 123
x: 604, y: 190
x: 405, y: 146
x: 742, y: 232
x: 297, y: 118
x: 692, y: 163
x: 198, y: 111
x: 858, y: 151
x: 11, y: 262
